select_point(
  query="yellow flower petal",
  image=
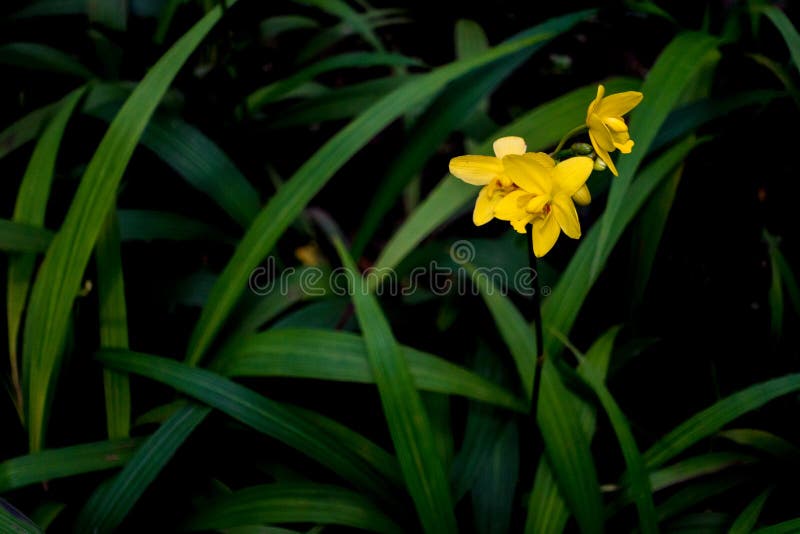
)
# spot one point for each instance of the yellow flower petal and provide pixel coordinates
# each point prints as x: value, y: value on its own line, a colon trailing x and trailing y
x: 624, y: 147
x: 596, y: 102
x: 509, y: 145
x: 602, y: 135
x: 544, y: 235
x: 542, y: 159
x: 602, y: 154
x: 528, y: 174
x: 475, y: 170
x: 582, y: 196
x: 570, y: 174
x: 615, y: 124
x: 618, y: 104
x: 567, y: 217
x: 484, y: 208
x: 512, y: 206
x: 520, y: 224
x: 537, y: 204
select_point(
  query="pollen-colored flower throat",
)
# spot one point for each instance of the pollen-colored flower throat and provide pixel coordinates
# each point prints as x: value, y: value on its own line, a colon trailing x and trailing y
x: 542, y: 189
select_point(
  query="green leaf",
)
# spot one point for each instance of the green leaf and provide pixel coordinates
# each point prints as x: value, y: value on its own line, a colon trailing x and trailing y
x: 764, y: 442
x: 746, y: 521
x: 261, y: 97
x: 787, y: 527
x: 565, y: 441
x: 26, y: 128
x: 336, y: 104
x: 60, y: 274
x: 264, y: 415
x: 787, y: 29
x: 292, y: 503
x: 775, y: 294
x: 51, y: 464
x: 292, y: 197
x: 444, y: 114
x: 493, y: 493
x: 18, y: 237
x: 46, y: 513
x: 697, y: 493
x: 547, y: 511
x: 199, y: 161
x: 349, y: 16
x: 451, y: 195
x: 273, y: 27
x: 483, y: 428
x: 696, y: 466
x: 113, y: 314
x: 342, y: 356
x: 112, y: 500
x: 664, y: 85
x: 30, y: 209
x: 470, y: 39
x: 710, y: 420
x: 12, y: 520
x: 647, y: 234
x: 149, y: 225
x: 49, y: 8
x: 405, y: 414
x: 35, y: 56
x: 639, y: 482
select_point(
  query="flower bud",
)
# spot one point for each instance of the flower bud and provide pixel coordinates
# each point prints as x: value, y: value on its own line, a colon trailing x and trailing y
x: 582, y: 196
x: 582, y: 149
x: 600, y: 165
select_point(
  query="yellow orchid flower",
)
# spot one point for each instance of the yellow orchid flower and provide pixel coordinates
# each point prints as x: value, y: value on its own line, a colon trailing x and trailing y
x: 607, y: 129
x: 544, y: 198
x: 488, y: 171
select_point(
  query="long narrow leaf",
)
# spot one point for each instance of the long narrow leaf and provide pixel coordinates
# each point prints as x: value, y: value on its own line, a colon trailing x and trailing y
x: 264, y: 415
x: 269, y: 93
x: 51, y: 464
x: 12, y: 520
x: 787, y: 29
x: 37, y: 56
x: 112, y: 500
x: 30, y: 209
x: 565, y: 441
x: 342, y: 356
x: 19, y: 237
x: 718, y: 415
x: 405, y: 414
x: 747, y: 520
x: 113, y: 326
x: 66, y: 259
x: 292, y: 503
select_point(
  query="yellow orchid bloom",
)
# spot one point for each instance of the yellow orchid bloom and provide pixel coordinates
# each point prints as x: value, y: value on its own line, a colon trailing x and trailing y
x: 544, y: 198
x: 488, y: 171
x: 607, y: 129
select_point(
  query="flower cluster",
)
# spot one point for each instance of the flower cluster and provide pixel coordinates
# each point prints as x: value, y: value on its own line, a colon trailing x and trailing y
x: 533, y: 187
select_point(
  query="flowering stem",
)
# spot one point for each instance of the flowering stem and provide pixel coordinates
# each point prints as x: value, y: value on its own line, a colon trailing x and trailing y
x: 537, y: 320
x: 570, y: 134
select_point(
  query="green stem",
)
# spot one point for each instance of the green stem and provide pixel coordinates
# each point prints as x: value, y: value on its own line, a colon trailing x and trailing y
x: 572, y: 133
x: 537, y: 320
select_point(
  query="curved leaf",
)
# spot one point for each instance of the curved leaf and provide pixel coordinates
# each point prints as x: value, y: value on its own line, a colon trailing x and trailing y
x: 342, y: 356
